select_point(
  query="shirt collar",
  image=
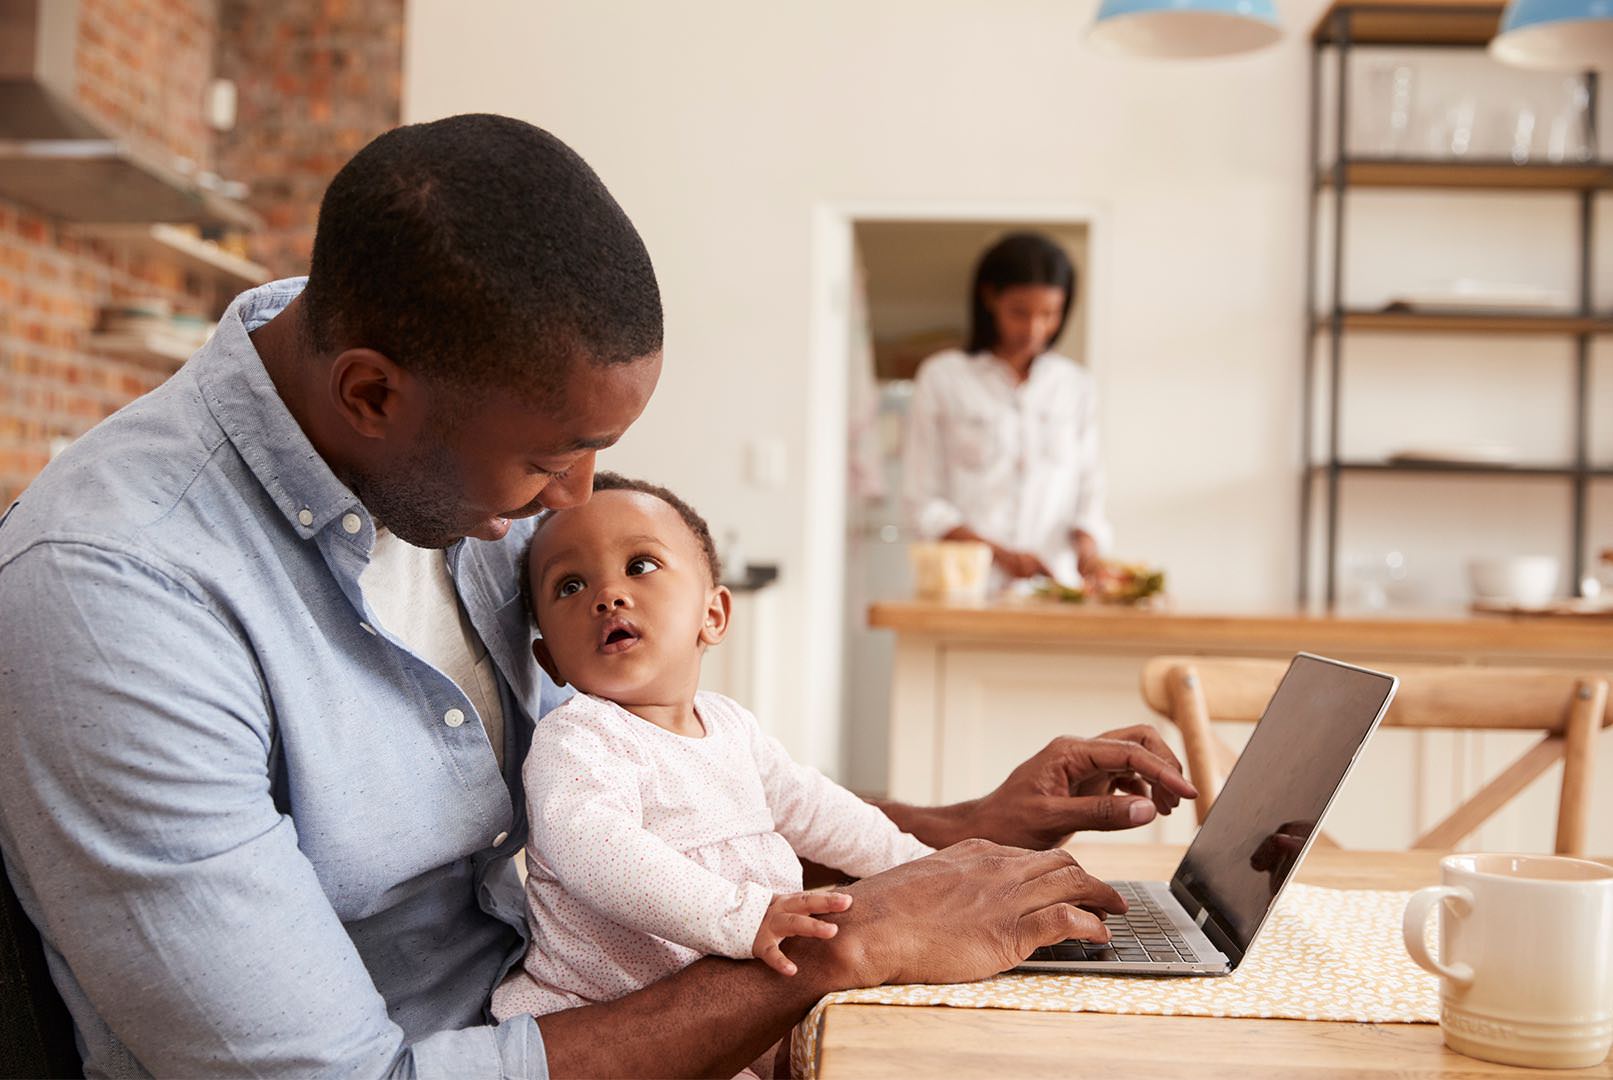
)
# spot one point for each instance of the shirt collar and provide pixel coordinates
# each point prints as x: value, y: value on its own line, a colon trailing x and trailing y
x: 247, y: 406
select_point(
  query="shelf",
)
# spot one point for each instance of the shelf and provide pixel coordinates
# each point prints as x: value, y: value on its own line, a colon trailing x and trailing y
x: 1495, y: 175
x: 1462, y: 468
x: 1467, y: 322
x: 108, y: 181
x: 1419, y: 22
x: 163, y: 350
x: 177, y: 245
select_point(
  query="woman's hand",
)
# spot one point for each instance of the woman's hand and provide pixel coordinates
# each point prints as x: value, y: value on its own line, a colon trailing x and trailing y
x: 1019, y: 564
x: 1087, y: 560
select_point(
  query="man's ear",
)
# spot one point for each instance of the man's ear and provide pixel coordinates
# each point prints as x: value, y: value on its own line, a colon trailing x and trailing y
x: 370, y: 392
x: 540, y: 653
x: 719, y: 606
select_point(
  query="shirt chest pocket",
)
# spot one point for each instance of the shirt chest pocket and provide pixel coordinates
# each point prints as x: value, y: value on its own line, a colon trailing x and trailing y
x: 1053, y: 437
x: 975, y: 440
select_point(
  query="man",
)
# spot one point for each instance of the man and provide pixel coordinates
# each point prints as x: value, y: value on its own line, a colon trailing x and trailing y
x: 263, y: 705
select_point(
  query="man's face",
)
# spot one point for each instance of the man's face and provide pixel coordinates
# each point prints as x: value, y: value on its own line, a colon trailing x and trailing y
x: 470, y: 472
x: 624, y: 599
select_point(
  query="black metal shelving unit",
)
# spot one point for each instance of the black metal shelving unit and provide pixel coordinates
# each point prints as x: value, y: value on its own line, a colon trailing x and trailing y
x: 1430, y: 24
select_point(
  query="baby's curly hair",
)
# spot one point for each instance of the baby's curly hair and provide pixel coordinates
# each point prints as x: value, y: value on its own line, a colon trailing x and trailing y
x: 609, y: 481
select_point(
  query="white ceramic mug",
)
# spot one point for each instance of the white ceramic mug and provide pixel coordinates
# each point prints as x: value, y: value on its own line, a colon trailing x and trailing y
x: 1525, y: 957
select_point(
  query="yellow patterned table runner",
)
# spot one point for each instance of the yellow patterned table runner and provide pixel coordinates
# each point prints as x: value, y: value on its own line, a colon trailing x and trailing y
x: 1325, y: 954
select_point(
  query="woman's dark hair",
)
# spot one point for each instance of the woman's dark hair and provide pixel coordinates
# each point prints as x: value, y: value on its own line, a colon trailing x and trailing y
x: 1017, y: 259
x: 481, y: 251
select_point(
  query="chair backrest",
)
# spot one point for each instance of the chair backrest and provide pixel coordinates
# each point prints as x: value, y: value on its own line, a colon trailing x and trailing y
x: 1195, y: 691
x: 36, y: 1030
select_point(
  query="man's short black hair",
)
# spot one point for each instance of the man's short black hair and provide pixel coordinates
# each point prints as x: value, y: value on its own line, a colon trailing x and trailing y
x: 609, y: 481
x: 482, y: 251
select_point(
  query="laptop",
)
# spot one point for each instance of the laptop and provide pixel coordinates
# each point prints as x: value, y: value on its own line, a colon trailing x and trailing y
x: 1263, y: 822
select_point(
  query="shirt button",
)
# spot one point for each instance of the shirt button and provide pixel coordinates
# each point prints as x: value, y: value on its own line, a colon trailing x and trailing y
x: 500, y: 838
x: 306, y: 516
x: 351, y: 524
x: 366, y: 627
x: 453, y: 717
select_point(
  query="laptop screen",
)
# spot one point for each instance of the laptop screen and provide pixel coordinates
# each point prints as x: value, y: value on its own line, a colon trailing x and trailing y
x: 1288, y: 773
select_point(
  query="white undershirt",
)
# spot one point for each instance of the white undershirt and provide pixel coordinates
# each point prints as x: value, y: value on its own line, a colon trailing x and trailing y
x: 413, y: 598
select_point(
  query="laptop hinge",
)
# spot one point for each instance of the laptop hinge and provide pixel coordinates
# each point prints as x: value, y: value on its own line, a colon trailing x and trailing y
x: 1205, y: 919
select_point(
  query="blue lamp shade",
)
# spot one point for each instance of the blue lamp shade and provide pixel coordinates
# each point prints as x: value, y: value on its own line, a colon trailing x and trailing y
x: 1186, y: 29
x: 1563, y: 35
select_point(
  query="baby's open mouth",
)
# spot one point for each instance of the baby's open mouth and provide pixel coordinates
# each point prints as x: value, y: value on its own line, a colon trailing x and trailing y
x: 617, y: 635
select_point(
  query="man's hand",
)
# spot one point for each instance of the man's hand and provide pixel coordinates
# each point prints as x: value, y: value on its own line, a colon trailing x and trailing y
x: 791, y: 915
x: 1116, y: 781
x: 970, y: 911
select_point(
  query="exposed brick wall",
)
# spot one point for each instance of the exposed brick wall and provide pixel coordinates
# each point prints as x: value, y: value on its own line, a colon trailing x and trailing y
x: 143, y: 67
x: 52, y: 288
x: 316, y: 79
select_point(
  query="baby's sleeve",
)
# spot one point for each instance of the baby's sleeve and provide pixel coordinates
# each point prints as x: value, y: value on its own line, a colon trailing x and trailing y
x: 587, y: 830
x: 822, y: 820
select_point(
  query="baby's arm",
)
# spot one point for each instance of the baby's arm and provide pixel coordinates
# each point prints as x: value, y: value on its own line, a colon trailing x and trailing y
x: 822, y: 820
x: 587, y: 830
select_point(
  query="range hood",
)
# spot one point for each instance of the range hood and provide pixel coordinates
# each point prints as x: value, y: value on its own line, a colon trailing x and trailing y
x: 57, y: 159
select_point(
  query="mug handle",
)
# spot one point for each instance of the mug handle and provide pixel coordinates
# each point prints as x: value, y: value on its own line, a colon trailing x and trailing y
x: 1414, y: 926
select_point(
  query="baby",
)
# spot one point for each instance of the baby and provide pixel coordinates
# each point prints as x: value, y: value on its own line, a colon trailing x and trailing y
x: 665, y: 825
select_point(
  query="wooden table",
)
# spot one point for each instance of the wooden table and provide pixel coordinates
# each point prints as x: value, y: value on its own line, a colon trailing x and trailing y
x: 899, y: 1041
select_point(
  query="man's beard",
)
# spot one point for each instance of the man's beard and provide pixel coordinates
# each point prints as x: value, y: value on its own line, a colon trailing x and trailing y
x: 417, y: 500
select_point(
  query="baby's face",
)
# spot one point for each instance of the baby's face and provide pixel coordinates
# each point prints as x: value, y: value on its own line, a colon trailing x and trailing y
x: 624, y: 600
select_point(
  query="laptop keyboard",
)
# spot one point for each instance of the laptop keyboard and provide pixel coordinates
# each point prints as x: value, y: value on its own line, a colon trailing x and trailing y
x: 1143, y: 934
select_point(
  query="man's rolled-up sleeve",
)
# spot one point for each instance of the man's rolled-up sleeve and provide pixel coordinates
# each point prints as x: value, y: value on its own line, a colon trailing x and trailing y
x: 137, y: 818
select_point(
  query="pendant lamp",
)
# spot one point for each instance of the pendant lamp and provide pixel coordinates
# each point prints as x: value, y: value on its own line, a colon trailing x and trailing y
x: 1186, y: 29
x: 1563, y: 35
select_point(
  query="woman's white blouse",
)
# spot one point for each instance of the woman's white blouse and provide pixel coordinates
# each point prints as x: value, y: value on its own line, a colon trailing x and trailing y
x: 1016, y: 462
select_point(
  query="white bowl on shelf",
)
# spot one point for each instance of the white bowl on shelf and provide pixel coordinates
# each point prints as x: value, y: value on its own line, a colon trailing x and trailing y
x: 1524, y: 581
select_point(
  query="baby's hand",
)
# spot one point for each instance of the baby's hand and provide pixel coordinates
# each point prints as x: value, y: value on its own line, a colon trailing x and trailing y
x: 790, y: 915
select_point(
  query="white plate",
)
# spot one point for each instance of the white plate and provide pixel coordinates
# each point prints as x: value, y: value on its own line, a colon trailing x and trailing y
x: 1470, y: 295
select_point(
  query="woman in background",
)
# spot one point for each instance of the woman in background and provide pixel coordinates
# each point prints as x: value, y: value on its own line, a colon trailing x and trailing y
x: 1002, y: 438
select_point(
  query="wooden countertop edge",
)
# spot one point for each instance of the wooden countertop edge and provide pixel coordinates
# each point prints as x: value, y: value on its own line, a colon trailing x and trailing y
x: 1036, y: 624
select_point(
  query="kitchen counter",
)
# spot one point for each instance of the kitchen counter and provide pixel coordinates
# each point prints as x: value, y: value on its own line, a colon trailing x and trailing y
x: 1559, y: 637
x: 976, y: 690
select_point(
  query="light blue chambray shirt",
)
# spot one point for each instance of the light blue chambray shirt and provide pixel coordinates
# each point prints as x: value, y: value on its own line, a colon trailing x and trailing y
x: 231, y: 802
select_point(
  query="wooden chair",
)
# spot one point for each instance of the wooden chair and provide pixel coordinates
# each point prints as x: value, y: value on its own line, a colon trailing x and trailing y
x: 1194, y: 691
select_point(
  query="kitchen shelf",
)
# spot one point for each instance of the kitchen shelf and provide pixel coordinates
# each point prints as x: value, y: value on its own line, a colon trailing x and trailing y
x: 151, y: 347
x: 107, y: 181
x: 177, y: 245
x: 1493, y: 175
x: 1465, y: 322
x: 1469, y: 468
x: 1422, y: 24
x: 1468, y: 25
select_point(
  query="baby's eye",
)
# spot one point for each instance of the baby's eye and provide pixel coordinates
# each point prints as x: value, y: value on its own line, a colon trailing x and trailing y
x: 569, y: 587
x: 642, y: 565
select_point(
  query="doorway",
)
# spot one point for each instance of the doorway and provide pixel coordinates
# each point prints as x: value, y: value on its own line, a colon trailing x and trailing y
x: 907, y: 299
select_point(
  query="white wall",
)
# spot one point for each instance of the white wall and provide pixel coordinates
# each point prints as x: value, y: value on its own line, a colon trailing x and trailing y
x: 724, y: 126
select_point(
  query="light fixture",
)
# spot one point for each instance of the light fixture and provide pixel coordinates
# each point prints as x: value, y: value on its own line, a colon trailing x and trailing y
x: 1563, y: 35
x: 1186, y: 29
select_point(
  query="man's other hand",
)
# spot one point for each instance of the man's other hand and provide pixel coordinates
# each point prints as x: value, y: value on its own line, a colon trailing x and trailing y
x: 1118, y: 780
